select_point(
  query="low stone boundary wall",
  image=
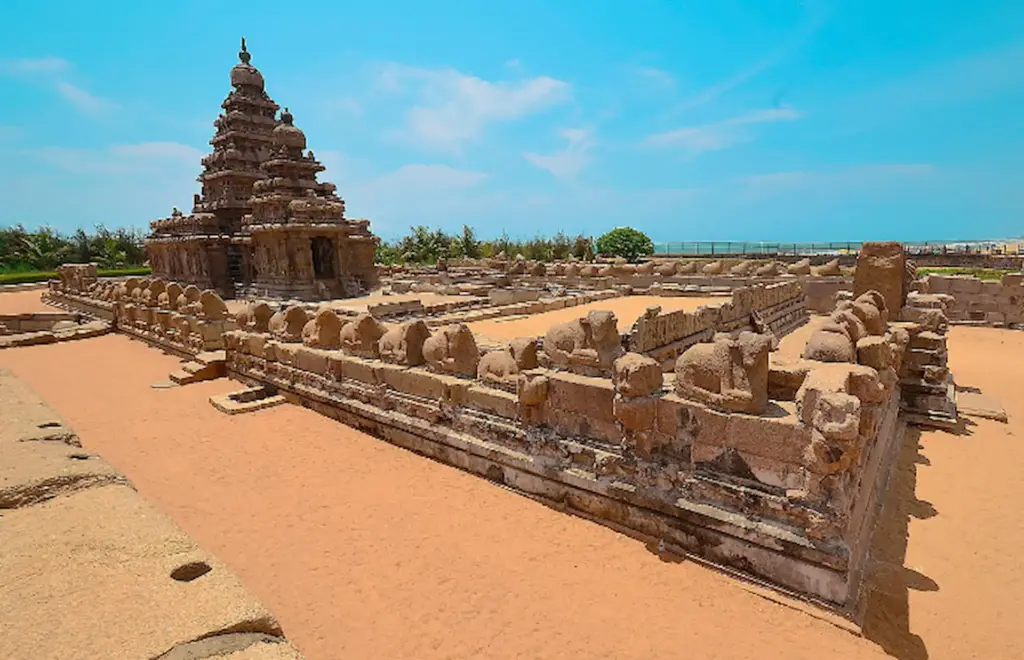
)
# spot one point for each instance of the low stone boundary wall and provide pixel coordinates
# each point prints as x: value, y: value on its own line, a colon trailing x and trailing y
x: 991, y: 302
x: 44, y: 328
x: 666, y: 335
x: 80, y: 544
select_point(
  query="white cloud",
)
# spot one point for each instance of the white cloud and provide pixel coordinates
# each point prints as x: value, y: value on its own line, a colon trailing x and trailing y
x: 721, y: 134
x: 568, y: 162
x: 453, y: 108
x: 514, y: 64
x: 87, y: 103
x: 37, y: 66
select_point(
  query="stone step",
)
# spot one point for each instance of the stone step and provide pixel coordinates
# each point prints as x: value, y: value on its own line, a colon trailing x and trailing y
x: 209, y: 357
x: 182, y: 377
x: 193, y: 367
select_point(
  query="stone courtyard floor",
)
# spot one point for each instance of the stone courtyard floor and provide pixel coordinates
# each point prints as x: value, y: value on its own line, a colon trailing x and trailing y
x: 364, y: 550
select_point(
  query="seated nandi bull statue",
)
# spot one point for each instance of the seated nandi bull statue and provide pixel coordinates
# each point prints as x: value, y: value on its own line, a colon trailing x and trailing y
x: 255, y: 317
x: 287, y: 324
x: 360, y: 337
x: 452, y: 350
x: 403, y: 344
x: 212, y: 306
x: 323, y: 330
x: 591, y: 343
x: 729, y: 374
x: 502, y: 367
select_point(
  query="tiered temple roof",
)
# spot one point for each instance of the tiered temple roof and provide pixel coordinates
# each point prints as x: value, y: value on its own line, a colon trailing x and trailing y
x: 262, y: 221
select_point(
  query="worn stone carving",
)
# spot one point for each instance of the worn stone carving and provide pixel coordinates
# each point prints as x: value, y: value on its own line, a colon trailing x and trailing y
x: 213, y: 307
x: 712, y: 268
x: 501, y: 367
x: 882, y: 267
x: 188, y: 301
x: 828, y: 269
x: 361, y: 336
x: 636, y: 375
x: 323, y: 330
x: 287, y: 324
x: 452, y: 350
x: 830, y: 342
x: 802, y: 267
x: 730, y: 373
x: 589, y: 342
x: 403, y: 344
x: 255, y: 317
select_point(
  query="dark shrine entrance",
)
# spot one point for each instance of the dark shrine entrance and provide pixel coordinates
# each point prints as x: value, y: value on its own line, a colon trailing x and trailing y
x: 323, y: 257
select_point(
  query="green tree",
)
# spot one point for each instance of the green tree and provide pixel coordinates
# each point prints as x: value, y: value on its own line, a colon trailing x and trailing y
x: 625, y: 242
x: 468, y: 245
x: 583, y: 248
x: 561, y: 246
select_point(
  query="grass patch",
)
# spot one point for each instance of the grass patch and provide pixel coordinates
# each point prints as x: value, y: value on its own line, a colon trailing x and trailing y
x: 980, y: 273
x: 44, y: 275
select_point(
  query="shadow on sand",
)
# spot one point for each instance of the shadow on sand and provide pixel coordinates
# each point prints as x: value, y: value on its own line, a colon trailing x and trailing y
x: 887, y: 586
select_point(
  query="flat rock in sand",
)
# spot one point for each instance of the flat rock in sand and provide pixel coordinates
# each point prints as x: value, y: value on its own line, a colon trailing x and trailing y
x: 976, y: 404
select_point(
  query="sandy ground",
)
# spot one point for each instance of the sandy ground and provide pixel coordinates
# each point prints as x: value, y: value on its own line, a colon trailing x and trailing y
x: 24, y: 302
x: 360, y: 304
x: 792, y: 345
x: 364, y: 550
x: 627, y: 310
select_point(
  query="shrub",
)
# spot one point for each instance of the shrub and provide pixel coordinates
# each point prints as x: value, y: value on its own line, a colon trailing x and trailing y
x: 625, y: 242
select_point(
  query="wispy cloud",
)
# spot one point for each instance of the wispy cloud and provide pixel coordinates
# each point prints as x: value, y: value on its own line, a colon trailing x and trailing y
x: 453, y: 108
x: 85, y: 102
x: 143, y: 157
x: 843, y: 177
x: 958, y: 80
x: 20, y: 67
x: 721, y: 134
x: 657, y: 77
x: 814, y: 19
x: 346, y: 106
x: 51, y: 71
x: 568, y: 162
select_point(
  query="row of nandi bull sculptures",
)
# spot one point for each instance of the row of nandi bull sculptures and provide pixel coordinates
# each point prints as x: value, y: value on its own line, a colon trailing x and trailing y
x: 520, y: 266
x: 185, y: 317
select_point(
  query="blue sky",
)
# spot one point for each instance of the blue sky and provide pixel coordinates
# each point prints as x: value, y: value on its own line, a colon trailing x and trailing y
x: 725, y: 120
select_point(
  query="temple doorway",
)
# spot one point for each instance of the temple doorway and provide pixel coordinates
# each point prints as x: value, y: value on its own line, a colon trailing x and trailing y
x: 323, y: 257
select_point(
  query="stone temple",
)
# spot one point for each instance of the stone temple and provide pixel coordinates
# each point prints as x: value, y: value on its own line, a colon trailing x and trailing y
x: 263, y: 225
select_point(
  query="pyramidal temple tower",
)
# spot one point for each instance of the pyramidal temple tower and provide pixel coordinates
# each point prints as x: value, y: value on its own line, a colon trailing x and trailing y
x: 262, y: 224
x: 302, y: 245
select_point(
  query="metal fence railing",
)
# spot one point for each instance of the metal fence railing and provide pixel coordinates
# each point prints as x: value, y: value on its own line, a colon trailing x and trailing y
x: 762, y: 248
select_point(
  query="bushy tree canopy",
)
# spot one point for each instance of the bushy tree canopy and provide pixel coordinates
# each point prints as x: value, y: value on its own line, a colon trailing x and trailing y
x: 44, y: 249
x: 625, y: 242
x: 424, y: 246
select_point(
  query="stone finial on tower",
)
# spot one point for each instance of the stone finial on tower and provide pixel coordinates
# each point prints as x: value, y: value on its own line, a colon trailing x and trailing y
x: 243, y: 54
x: 286, y: 117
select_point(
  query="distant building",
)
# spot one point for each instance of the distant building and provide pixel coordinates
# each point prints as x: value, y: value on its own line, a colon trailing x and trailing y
x: 263, y: 225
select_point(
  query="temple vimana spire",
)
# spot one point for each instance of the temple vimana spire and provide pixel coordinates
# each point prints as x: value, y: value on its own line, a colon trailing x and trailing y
x: 263, y: 225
